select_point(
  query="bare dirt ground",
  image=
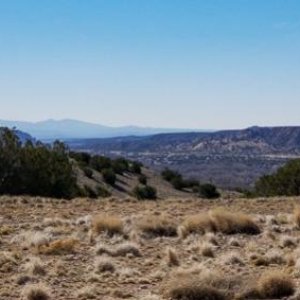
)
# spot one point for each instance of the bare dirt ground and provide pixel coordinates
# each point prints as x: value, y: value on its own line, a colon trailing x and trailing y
x: 117, y: 249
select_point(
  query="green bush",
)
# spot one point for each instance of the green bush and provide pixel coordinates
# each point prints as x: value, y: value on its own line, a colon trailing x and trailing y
x: 82, y: 158
x: 88, y: 172
x: 103, y: 192
x: 120, y: 165
x: 285, y: 182
x: 142, y: 179
x: 145, y: 192
x: 99, y: 162
x: 109, y: 176
x: 168, y: 174
x: 35, y: 169
x: 208, y: 191
x: 177, y: 183
x: 135, y: 167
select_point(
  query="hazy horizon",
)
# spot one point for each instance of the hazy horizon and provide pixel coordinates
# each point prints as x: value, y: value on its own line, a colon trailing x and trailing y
x: 167, y: 64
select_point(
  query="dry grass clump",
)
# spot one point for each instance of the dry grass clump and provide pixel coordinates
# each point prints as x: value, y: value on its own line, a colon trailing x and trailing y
x: 7, y: 258
x: 108, y: 224
x: 219, y: 220
x: 234, y: 242
x: 232, y: 258
x: 35, y: 239
x: 275, y: 257
x: 189, y: 286
x: 207, y: 249
x: 35, y: 267
x: 275, y: 285
x: 127, y: 248
x: 296, y: 216
x: 233, y: 223
x: 172, y: 257
x: 102, y: 249
x: 54, y: 222
x: 200, y: 224
x: 36, y: 292
x: 87, y: 292
x: 154, y: 226
x: 61, y: 246
x: 124, y: 249
x: 104, y: 264
x: 288, y: 241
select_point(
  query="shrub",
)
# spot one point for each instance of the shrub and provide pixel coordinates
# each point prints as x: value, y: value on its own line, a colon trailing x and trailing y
x: 36, y: 292
x: 168, y: 174
x: 61, y: 246
x: 275, y: 285
x: 109, y: 176
x: 120, y: 165
x: 145, y: 192
x: 88, y: 172
x: 219, y: 220
x: 207, y: 249
x: 191, y: 183
x: 99, y: 163
x: 127, y: 248
x: 82, y: 158
x: 104, y: 264
x: 107, y: 224
x: 35, y: 267
x: 142, y: 179
x: 154, y: 226
x: 172, y: 257
x: 208, y: 191
x: 177, y: 183
x: 200, y: 224
x: 90, y: 192
x: 285, y: 182
x: 233, y: 223
x: 296, y: 216
x: 135, y: 167
x: 191, y: 286
x: 35, y: 169
x: 103, y: 192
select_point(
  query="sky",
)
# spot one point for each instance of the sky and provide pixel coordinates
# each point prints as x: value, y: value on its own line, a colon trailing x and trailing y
x: 201, y: 64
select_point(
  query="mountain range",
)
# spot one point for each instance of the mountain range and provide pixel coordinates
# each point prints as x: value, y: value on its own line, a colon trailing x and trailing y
x: 74, y: 129
x: 228, y: 158
x: 251, y: 141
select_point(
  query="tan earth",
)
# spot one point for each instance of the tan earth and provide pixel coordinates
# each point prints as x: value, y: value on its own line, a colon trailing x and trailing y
x: 129, y: 249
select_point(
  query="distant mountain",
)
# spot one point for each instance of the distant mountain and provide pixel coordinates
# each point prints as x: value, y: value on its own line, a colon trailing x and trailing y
x: 250, y: 141
x: 73, y: 129
x: 229, y: 158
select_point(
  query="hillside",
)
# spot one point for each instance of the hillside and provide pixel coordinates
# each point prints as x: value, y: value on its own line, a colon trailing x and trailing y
x: 231, y: 158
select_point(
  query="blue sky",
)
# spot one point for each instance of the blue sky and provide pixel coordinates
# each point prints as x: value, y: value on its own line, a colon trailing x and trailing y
x: 163, y: 63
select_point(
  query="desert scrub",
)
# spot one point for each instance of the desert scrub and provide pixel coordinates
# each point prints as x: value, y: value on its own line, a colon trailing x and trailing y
x: 108, y: 224
x: 172, y: 257
x: 62, y: 246
x: 232, y: 223
x: 191, y: 286
x: 127, y: 248
x: 275, y: 285
x: 36, y: 292
x: 35, y: 267
x: 296, y: 216
x: 104, y: 264
x: 200, y: 224
x: 154, y: 226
